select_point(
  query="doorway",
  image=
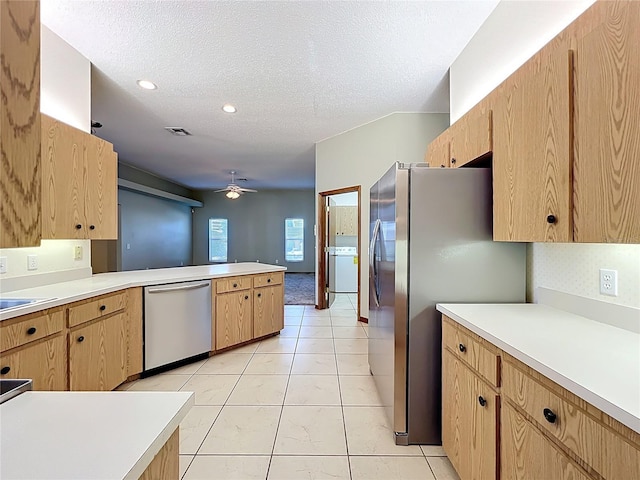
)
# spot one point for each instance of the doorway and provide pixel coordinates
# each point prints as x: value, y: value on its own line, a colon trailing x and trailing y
x: 339, y: 246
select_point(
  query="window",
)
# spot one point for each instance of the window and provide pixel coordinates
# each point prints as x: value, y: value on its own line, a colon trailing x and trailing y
x: 218, y: 236
x: 294, y: 239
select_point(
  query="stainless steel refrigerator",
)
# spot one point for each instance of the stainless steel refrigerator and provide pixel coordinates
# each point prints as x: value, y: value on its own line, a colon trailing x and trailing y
x: 430, y: 242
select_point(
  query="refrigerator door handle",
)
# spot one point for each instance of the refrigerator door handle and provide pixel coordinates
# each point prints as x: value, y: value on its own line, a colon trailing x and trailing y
x: 373, y: 271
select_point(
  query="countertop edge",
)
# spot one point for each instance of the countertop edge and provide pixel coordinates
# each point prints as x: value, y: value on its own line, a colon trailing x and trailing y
x: 147, y: 457
x: 623, y: 416
x: 123, y: 285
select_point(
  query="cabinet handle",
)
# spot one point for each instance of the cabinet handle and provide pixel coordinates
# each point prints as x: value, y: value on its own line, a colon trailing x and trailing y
x: 453, y: 161
x: 549, y: 415
x: 80, y: 339
x: 482, y: 401
x: 92, y: 227
x: 235, y: 285
x: 246, y: 297
x: 78, y: 226
x: 442, y: 166
x: 268, y: 280
x: 462, y: 348
x: 5, y: 370
x: 259, y: 295
x: 31, y: 331
x: 103, y: 308
x: 551, y: 219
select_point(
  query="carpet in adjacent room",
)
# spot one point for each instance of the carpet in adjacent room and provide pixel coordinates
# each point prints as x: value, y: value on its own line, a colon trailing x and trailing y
x: 299, y: 289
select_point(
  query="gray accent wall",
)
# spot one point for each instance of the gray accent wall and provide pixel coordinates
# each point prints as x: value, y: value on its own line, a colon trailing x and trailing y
x: 154, y: 232
x: 256, y: 226
x: 133, y: 174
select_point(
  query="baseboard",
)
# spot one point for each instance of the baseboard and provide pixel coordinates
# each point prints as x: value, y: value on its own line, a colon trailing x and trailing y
x: 364, y: 319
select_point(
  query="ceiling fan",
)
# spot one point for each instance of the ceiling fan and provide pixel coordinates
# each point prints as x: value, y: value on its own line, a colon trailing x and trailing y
x: 233, y: 189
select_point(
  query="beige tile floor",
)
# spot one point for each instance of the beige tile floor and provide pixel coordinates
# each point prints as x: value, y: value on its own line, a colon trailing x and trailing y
x: 301, y: 405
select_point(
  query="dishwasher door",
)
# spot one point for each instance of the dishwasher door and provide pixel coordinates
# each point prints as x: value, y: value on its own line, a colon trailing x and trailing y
x: 177, y: 322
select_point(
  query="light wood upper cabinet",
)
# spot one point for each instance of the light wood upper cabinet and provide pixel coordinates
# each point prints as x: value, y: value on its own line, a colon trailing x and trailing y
x: 79, y: 184
x: 607, y: 129
x: 471, y: 137
x: 268, y: 310
x: 344, y: 220
x: 532, y: 152
x: 438, y: 151
x: 98, y: 354
x: 20, y: 170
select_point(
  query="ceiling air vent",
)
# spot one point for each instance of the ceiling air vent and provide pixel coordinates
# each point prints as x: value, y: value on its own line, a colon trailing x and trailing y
x: 178, y: 131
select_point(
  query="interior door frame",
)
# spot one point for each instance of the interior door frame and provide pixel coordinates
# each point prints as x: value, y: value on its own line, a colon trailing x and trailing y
x: 322, y: 241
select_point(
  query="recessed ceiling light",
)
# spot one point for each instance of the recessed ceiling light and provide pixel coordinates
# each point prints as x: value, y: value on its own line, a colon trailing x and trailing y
x: 147, y: 85
x: 228, y: 108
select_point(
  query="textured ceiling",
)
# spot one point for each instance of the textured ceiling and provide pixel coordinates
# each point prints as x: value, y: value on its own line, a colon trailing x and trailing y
x: 298, y: 72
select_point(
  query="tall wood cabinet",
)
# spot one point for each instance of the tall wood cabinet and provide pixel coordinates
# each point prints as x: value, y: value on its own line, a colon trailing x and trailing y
x: 20, y: 170
x: 79, y: 174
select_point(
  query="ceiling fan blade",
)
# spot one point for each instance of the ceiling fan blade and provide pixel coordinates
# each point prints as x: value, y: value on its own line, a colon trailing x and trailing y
x: 222, y: 190
x: 246, y: 190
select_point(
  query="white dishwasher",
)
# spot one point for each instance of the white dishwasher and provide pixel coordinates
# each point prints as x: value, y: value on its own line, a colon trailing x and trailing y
x: 177, y: 322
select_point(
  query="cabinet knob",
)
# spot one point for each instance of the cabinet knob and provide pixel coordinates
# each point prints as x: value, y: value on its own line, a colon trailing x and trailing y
x: 549, y: 415
x: 482, y: 401
x: 80, y: 339
x: 259, y: 295
x: 246, y: 297
x: 5, y: 370
x: 551, y: 219
x: 31, y: 330
x: 453, y: 161
x: 103, y: 308
x: 78, y: 226
x: 442, y: 166
x: 235, y: 285
x: 462, y: 348
x: 92, y: 227
x: 268, y: 280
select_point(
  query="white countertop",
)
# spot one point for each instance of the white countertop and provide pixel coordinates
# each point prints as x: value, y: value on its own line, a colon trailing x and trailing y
x: 86, y: 435
x: 67, y: 292
x: 598, y: 362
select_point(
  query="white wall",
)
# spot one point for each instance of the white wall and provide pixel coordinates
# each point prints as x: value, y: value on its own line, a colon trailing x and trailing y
x: 65, y: 95
x: 362, y: 155
x: 511, y: 34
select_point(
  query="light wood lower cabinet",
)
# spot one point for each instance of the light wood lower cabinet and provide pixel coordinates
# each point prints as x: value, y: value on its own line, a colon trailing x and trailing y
x: 166, y: 464
x: 470, y: 421
x: 44, y: 361
x: 268, y: 310
x: 527, y: 455
x: 98, y: 354
x: 233, y: 318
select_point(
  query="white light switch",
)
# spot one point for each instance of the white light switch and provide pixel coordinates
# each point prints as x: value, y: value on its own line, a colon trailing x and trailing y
x: 3, y: 264
x: 32, y: 262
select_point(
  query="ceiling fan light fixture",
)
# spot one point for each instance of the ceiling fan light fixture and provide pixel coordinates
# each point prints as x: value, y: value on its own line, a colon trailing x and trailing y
x: 232, y: 195
x: 147, y: 84
x: 228, y: 108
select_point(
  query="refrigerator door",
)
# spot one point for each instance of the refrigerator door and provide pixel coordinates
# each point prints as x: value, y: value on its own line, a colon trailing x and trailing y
x: 388, y: 276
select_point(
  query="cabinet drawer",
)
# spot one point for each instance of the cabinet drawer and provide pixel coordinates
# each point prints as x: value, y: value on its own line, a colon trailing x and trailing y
x: 21, y: 330
x: 268, y: 279
x: 95, y: 308
x: 471, y: 351
x: 232, y: 284
x: 600, y: 448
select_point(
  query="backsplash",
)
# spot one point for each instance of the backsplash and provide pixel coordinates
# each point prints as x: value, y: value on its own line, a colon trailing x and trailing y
x: 574, y: 268
x: 54, y: 257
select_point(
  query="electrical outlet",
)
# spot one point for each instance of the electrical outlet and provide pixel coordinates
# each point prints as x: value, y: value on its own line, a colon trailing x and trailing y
x: 609, y: 282
x: 32, y: 262
x: 77, y: 252
x: 277, y: 261
x: 3, y: 264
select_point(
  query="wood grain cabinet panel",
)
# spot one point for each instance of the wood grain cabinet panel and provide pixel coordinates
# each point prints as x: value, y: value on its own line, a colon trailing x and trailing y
x: 29, y: 328
x: 531, y: 152
x: 275, y: 278
x: 166, y: 464
x: 268, y: 310
x: 45, y: 362
x: 527, y: 455
x: 233, y: 318
x: 98, y: 354
x: 607, y: 129
x: 134, y: 331
x: 101, y: 199
x: 471, y: 137
x: 470, y: 413
x: 437, y: 155
x: 87, y: 310
x: 231, y: 284
x: 20, y: 169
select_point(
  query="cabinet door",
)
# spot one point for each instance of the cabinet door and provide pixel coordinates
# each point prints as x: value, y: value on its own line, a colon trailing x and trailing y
x: 607, y: 122
x: 469, y: 421
x: 531, y: 152
x: 349, y: 221
x: 471, y: 137
x: 101, y: 199
x: 438, y: 151
x: 64, y: 171
x: 268, y: 310
x: 526, y: 454
x: 234, y: 323
x: 20, y: 170
x: 44, y: 362
x: 98, y: 355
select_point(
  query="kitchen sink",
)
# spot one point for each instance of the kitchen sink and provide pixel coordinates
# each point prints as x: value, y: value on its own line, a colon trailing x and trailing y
x: 13, y: 388
x: 19, y: 302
